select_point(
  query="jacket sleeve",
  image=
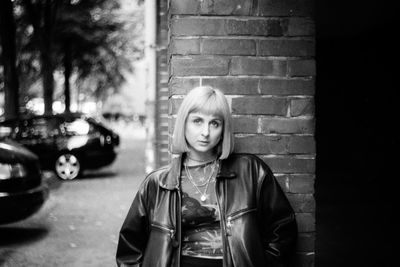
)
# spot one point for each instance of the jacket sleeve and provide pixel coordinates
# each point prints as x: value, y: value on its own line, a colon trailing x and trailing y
x: 134, y: 232
x: 277, y: 220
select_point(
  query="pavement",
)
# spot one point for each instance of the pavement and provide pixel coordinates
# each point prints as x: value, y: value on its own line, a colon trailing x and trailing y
x: 79, y: 223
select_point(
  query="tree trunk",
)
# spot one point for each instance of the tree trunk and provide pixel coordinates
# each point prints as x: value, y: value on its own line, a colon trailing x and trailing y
x: 67, y: 75
x: 7, y: 36
x: 47, y: 63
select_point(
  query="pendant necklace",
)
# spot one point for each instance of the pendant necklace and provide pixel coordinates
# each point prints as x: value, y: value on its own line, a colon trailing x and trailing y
x: 203, y: 196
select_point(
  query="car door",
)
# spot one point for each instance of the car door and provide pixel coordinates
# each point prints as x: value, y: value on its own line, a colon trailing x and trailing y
x: 38, y: 135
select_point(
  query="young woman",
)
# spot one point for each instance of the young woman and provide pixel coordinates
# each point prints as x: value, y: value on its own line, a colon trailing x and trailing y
x: 209, y: 207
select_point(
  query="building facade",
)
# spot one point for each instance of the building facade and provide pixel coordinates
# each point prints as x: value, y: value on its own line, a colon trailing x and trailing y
x: 261, y: 54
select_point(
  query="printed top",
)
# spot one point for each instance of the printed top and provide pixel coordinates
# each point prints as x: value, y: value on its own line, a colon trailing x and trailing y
x: 201, y: 231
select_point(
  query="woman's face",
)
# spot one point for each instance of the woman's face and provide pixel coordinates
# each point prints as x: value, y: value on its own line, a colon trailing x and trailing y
x: 203, y: 132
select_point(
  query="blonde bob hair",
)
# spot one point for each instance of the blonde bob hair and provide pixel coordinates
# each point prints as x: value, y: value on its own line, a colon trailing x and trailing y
x: 208, y: 100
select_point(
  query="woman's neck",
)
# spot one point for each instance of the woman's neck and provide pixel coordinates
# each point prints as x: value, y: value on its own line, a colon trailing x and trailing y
x: 197, y: 158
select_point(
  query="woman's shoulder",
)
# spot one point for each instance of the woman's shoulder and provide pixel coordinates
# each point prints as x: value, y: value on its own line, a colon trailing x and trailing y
x: 251, y: 159
x: 245, y: 157
x: 155, y: 174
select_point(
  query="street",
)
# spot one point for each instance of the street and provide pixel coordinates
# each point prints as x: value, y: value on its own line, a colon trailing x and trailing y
x: 79, y: 223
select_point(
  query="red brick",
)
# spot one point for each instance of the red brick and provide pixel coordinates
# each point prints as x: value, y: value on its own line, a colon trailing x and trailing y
x: 171, y: 126
x: 233, y: 85
x: 181, y: 86
x: 184, y: 7
x: 298, y: 68
x: 287, y: 87
x: 305, y: 222
x: 286, y: 8
x: 197, y: 26
x: 256, y: 27
x: 180, y: 46
x: 212, y: 26
x: 257, y: 66
x: 305, y: 242
x: 221, y: 7
x: 287, y: 125
x: 288, y: 48
x: 226, y: 7
x: 301, y: 27
x: 163, y: 127
x: 301, y: 183
x: 302, y: 107
x: 211, y: 46
x: 260, y: 144
x: 161, y: 146
x: 259, y: 105
x: 199, y: 65
x: 302, y: 202
x: 245, y: 124
x: 289, y: 164
x: 283, y: 181
x: 162, y: 107
x: 301, y: 145
x: 174, y: 104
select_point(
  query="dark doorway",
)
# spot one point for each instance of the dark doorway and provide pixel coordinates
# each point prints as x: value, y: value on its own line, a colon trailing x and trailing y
x: 356, y: 106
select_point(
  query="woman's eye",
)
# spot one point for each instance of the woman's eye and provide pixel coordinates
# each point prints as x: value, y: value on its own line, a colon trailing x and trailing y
x: 215, y: 123
x: 197, y: 121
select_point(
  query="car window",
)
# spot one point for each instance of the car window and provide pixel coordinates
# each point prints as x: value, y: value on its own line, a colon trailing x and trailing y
x: 40, y: 128
x: 76, y: 127
x: 6, y: 131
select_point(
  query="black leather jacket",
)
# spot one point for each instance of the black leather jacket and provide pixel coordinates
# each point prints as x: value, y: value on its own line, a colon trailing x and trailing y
x: 258, y: 224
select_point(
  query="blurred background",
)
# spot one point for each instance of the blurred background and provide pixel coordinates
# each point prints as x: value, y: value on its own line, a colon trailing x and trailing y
x: 72, y: 107
x: 73, y: 56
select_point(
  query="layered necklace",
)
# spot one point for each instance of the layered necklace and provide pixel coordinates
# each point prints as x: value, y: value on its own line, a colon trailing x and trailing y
x: 203, y: 195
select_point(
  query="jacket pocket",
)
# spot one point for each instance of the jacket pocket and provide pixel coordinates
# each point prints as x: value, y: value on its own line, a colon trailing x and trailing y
x: 235, y: 215
x: 164, y: 229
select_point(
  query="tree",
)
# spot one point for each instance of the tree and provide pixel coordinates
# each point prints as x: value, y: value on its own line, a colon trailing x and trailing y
x: 83, y: 38
x: 42, y: 15
x: 8, y: 56
x: 95, y: 44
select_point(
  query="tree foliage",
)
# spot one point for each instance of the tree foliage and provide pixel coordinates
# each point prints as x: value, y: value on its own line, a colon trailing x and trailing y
x: 92, y: 40
x: 8, y: 59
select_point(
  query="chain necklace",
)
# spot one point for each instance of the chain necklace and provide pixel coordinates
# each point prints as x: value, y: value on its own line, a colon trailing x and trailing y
x: 203, y: 196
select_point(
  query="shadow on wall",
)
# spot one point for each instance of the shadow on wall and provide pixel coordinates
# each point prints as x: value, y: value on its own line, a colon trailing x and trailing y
x: 355, y: 110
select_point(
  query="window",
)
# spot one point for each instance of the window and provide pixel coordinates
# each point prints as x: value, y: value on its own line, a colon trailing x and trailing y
x: 76, y: 127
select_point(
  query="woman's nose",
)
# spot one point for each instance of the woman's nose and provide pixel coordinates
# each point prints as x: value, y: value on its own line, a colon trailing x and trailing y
x: 205, y: 131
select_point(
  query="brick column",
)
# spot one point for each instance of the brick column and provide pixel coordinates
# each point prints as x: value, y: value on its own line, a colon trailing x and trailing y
x: 261, y: 55
x: 161, y: 108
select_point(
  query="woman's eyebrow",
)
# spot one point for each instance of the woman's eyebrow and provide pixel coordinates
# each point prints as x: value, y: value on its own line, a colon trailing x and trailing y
x: 216, y: 118
x: 195, y: 116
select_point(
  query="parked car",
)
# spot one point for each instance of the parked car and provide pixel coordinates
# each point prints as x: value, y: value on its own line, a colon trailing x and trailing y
x: 65, y: 143
x: 22, y: 191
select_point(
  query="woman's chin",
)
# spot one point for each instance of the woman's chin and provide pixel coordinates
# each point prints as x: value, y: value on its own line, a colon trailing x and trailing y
x: 202, y: 149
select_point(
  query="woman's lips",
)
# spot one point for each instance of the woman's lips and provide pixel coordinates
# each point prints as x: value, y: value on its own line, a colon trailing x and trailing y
x: 204, y: 142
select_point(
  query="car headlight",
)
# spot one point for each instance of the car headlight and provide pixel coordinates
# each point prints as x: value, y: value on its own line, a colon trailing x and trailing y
x: 8, y: 171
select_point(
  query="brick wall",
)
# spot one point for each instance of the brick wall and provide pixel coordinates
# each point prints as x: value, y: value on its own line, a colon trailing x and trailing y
x: 261, y: 55
x: 161, y: 107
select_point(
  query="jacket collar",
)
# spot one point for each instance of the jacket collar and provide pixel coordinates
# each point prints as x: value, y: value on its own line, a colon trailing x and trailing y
x: 170, y: 181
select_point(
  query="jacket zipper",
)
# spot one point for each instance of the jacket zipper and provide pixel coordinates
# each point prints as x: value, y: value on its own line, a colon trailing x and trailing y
x: 235, y: 215
x: 179, y: 222
x: 165, y: 229
x: 223, y: 223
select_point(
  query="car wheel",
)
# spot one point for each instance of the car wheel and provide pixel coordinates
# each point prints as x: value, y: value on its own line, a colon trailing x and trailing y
x: 67, y: 166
